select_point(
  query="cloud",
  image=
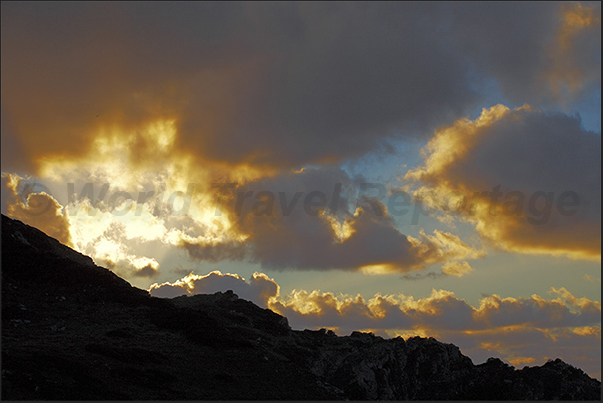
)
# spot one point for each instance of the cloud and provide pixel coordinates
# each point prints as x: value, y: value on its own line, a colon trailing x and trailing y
x: 526, y: 345
x: 457, y: 269
x: 147, y: 271
x: 291, y: 229
x: 26, y: 202
x: 441, y: 311
x: 12, y: 152
x: 564, y: 311
x: 421, y: 276
x: 246, y: 82
x: 528, y: 180
x: 281, y: 229
x: 275, y: 85
x: 154, y: 97
x: 523, y: 331
x: 141, y: 96
x: 121, y: 213
x: 279, y: 221
x: 520, y: 330
x: 110, y: 245
x: 536, y: 53
x: 112, y: 240
x: 260, y: 289
x: 576, y: 53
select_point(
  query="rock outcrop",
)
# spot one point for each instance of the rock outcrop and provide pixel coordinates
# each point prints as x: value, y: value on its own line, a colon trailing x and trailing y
x: 73, y: 330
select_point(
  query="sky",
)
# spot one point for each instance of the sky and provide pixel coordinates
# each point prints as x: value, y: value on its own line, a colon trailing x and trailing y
x: 426, y: 169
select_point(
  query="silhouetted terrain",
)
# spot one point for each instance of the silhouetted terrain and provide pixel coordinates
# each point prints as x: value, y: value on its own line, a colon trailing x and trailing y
x: 73, y: 330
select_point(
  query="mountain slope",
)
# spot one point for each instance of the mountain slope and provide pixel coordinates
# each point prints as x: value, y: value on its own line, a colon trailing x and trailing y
x: 73, y: 330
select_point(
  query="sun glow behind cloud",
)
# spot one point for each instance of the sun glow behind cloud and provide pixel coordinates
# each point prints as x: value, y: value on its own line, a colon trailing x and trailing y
x: 276, y: 98
x: 146, y: 180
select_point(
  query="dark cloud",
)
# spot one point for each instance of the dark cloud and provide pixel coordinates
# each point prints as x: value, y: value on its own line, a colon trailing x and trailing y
x: 214, y: 252
x: 537, y: 155
x: 147, y: 271
x: 283, y: 231
x: 14, y: 156
x: 422, y: 276
x: 279, y: 84
x: 537, y: 52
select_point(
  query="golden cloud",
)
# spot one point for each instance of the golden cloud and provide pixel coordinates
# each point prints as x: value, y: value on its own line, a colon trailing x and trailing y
x: 521, y: 330
x: 38, y: 209
x: 529, y: 181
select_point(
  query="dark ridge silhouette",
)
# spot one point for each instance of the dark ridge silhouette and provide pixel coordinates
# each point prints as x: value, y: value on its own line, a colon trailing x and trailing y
x: 73, y: 330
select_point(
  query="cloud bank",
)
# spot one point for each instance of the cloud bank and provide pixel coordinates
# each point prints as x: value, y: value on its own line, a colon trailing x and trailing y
x: 523, y: 331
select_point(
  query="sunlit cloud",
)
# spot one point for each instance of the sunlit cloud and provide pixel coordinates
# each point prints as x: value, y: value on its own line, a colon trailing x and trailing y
x: 528, y: 180
x: 35, y: 208
x: 161, y: 119
x: 457, y: 269
x: 524, y: 331
x: 260, y: 289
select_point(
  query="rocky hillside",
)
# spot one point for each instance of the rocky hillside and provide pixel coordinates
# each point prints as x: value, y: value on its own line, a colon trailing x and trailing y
x: 73, y: 330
